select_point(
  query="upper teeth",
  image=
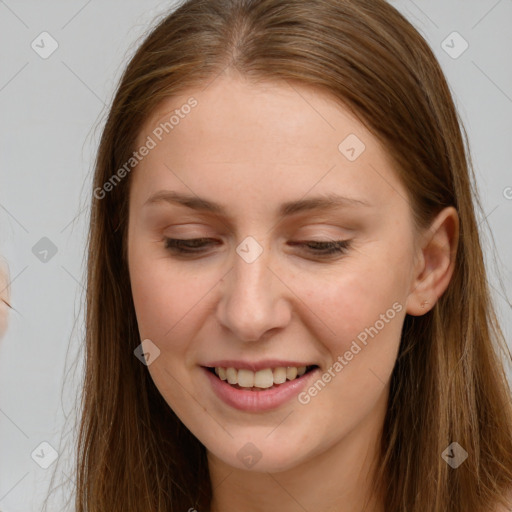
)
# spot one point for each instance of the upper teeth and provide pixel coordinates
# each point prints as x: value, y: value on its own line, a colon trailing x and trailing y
x: 262, y: 378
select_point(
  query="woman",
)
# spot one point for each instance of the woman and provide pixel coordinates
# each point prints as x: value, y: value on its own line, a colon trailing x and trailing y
x: 287, y: 301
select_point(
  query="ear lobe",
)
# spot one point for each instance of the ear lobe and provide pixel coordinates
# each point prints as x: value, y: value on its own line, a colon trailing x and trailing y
x: 436, y: 264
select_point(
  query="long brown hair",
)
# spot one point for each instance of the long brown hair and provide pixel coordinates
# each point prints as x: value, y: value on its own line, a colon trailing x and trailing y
x: 449, y: 383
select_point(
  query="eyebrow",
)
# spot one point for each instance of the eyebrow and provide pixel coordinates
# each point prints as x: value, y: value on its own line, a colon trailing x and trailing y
x: 323, y: 202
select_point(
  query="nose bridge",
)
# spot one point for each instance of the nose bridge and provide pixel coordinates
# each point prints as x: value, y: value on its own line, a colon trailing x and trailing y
x: 252, y: 301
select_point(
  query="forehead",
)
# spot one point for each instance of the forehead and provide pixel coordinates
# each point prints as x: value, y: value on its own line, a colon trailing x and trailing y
x: 268, y: 136
x: 238, y: 111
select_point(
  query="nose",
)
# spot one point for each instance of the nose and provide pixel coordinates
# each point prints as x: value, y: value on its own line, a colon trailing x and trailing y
x: 254, y: 299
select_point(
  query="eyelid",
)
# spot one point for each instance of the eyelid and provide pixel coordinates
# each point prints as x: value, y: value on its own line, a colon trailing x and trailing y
x: 331, y: 247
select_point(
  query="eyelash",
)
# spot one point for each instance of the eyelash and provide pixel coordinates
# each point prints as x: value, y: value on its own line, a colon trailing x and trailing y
x: 330, y: 248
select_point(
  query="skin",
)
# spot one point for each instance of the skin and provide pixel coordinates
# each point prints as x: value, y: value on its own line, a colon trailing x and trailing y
x: 251, y: 148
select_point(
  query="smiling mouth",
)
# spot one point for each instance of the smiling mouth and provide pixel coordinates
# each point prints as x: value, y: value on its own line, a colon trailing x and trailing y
x: 261, y: 380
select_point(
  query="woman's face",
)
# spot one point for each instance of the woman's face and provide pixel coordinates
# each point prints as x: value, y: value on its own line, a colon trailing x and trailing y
x: 257, y: 164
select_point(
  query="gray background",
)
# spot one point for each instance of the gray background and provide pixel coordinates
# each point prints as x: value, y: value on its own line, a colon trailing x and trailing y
x: 52, y: 111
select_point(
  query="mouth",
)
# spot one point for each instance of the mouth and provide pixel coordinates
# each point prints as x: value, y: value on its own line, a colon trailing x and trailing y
x: 262, y: 380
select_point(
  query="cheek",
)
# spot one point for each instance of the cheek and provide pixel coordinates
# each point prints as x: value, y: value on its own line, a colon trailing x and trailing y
x: 165, y: 303
x: 353, y: 298
x: 169, y: 300
x: 160, y: 297
x: 364, y: 317
x: 360, y: 311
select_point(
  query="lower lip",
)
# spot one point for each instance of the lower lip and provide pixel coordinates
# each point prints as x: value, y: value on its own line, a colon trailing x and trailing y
x: 256, y: 401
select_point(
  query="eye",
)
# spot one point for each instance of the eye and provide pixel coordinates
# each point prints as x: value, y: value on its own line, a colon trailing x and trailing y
x: 190, y: 246
x: 321, y: 248
x: 318, y: 248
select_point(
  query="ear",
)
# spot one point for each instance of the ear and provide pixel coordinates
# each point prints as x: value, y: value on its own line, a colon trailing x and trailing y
x: 436, y: 262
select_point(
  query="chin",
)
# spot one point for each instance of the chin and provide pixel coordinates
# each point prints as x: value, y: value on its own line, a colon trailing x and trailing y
x: 261, y: 456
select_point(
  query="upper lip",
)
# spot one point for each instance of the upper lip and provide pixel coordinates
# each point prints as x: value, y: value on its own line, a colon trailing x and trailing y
x: 255, y: 365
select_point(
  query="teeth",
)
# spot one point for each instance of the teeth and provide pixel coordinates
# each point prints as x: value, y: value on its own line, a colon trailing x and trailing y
x: 280, y: 375
x: 232, y: 375
x: 262, y: 378
x: 291, y: 372
x: 245, y: 378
